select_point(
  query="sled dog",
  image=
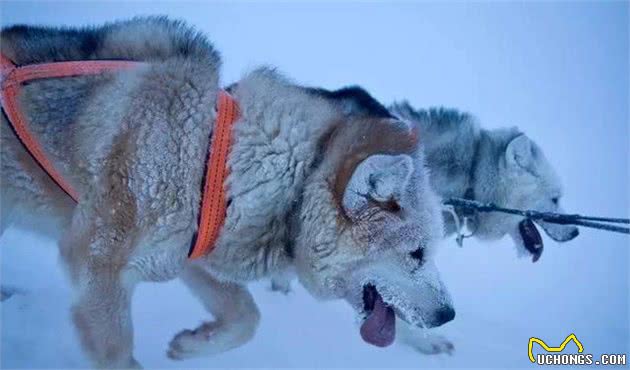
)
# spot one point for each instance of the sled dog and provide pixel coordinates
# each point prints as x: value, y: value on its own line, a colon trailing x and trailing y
x: 318, y: 184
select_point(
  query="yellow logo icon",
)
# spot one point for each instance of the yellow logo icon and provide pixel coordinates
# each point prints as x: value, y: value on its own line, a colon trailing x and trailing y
x: 544, y: 345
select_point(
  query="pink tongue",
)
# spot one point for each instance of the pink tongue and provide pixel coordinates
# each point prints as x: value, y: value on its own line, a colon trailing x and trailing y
x: 379, y: 328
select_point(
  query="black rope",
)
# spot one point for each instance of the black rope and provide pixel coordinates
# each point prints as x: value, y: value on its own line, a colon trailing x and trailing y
x: 602, y: 223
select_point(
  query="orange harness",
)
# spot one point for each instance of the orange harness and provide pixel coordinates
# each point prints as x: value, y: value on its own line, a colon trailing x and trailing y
x: 213, y: 202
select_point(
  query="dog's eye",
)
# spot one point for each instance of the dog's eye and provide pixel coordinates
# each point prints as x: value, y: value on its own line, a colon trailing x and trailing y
x: 391, y: 206
x: 555, y: 200
x: 418, y: 255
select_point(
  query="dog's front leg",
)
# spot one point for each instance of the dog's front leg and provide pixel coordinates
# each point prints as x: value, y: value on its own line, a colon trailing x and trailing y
x: 235, y: 315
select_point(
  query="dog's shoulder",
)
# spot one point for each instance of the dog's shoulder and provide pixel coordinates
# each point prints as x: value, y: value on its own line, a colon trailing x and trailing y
x: 138, y: 39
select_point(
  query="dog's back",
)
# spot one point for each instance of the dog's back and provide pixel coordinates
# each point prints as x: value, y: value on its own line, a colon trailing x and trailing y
x: 140, y: 39
x: 76, y: 119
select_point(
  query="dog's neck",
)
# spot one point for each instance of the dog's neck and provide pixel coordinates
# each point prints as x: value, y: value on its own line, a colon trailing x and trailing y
x: 453, y: 157
x: 480, y: 178
x: 276, y: 145
x: 473, y: 167
x: 479, y: 182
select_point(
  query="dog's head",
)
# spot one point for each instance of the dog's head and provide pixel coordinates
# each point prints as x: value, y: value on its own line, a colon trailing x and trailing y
x: 367, y: 225
x: 525, y: 180
x: 501, y: 166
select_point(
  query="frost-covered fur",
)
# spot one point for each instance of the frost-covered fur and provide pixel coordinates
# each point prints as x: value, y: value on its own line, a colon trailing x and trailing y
x: 502, y: 166
x: 311, y: 187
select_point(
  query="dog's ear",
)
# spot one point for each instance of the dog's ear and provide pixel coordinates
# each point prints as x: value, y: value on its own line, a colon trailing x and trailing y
x: 378, y: 180
x: 520, y: 153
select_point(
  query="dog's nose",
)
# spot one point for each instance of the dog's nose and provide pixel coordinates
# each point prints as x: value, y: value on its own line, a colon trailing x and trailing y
x: 444, y: 315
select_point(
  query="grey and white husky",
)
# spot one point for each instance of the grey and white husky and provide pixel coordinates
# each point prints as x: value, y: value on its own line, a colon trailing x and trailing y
x: 501, y: 166
x: 338, y: 195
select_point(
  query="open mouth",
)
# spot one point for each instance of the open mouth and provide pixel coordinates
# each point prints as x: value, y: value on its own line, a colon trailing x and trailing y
x: 379, y: 327
x: 531, y: 238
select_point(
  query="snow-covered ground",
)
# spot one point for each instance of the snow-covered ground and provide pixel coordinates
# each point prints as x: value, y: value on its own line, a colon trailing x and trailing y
x: 557, y: 70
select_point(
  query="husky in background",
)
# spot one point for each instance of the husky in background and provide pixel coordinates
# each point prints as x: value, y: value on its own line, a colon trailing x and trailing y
x: 501, y: 166
x: 337, y: 194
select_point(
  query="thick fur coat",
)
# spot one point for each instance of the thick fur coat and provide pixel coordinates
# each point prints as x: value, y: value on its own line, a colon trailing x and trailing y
x: 321, y: 183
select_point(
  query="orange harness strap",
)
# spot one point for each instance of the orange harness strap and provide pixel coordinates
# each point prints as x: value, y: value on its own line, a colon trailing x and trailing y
x: 213, y: 203
x: 12, y: 80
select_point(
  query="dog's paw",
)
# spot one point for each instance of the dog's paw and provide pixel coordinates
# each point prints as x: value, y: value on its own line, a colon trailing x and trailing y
x: 432, y: 345
x: 281, y: 285
x: 134, y: 364
x: 211, y: 338
x: 191, y: 343
x: 7, y: 292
